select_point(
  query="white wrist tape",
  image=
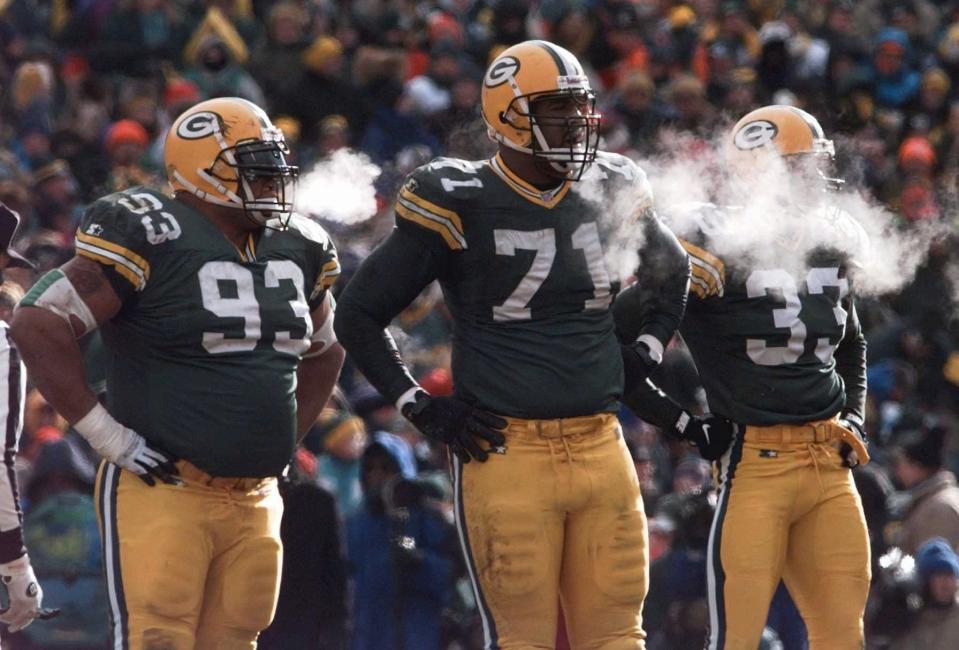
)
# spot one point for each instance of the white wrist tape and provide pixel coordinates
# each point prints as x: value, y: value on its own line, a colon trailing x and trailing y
x: 108, y: 437
x: 407, y: 397
x: 55, y: 293
x: 654, y: 346
x: 324, y: 336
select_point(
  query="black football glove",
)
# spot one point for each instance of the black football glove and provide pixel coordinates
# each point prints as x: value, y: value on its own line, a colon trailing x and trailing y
x: 638, y: 362
x: 711, y: 434
x: 456, y: 423
x: 850, y: 457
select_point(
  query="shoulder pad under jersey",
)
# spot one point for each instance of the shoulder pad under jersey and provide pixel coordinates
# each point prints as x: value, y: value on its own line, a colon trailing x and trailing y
x: 122, y: 230
x: 434, y: 196
x: 622, y: 182
x: 695, y: 224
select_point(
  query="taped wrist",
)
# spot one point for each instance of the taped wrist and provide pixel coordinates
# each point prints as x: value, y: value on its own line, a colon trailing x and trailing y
x: 108, y: 437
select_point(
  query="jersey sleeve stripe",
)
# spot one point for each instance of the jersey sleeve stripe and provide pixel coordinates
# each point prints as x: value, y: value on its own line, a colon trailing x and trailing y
x: 699, y: 287
x: 707, y: 262
x: 122, y: 266
x: 708, y: 275
x: 453, y: 239
x: 454, y: 219
x: 704, y: 255
x: 116, y: 248
x: 328, y: 275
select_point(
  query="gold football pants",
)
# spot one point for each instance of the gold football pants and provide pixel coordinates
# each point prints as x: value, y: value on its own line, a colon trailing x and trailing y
x: 559, y: 513
x: 788, y: 510
x: 189, y: 567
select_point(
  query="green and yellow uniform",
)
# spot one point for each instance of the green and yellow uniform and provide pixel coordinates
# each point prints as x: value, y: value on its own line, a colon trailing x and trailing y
x: 781, y: 352
x: 527, y: 278
x: 201, y: 360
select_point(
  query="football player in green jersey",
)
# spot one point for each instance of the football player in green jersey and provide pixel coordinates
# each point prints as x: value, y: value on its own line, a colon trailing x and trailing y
x: 780, y: 352
x: 217, y: 322
x: 519, y: 243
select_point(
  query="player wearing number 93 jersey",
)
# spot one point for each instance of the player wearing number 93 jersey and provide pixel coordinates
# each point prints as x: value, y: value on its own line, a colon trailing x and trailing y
x: 780, y: 351
x: 215, y: 315
x: 522, y: 245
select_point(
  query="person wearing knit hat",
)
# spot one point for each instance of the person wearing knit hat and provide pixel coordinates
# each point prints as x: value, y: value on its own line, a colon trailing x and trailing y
x: 125, y: 132
x: 126, y: 142
x: 933, y: 496
x: 338, y: 438
x: 936, y: 626
x: 916, y: 156
x: 936, y: 557
x: 324, y: 55
x: 180, y: 94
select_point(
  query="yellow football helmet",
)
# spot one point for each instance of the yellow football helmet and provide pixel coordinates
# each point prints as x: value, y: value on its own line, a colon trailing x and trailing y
x: 786, y: 131
x: 531, y: 71
x: 221, y: 151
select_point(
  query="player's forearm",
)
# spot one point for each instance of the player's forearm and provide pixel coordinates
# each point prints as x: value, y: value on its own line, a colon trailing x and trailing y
x: 652, y: 405
x: 851, y: 366
x: 315, y: 380
x: 655, y: 305
x: 373, y: 351
x: 387, y: 281
x: 52, y: 356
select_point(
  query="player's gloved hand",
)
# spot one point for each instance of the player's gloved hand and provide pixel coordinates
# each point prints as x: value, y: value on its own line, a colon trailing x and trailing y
x: 126, y: 448
x: 24, y: 593
x: 638, y: 362
x: 456, y: 423
x: 852, y: 449
x: 711, y: 434
x: 148, y: 462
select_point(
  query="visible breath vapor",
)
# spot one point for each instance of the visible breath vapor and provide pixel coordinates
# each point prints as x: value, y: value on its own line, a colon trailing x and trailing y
x: 339, y: 188
x: 773, y: 217
x: 619, y: 212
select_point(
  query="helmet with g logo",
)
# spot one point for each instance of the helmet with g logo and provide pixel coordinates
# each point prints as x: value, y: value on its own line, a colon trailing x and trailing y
x: 531, y: 71
x: 219, y: 149
x: 786, y: 131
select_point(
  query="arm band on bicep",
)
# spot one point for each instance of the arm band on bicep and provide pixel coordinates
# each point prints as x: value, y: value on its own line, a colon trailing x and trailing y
x: 55, y: 293
x: 323, y: 336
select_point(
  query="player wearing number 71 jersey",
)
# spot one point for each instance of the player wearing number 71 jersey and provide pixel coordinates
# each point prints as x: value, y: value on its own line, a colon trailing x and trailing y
x: 520, y: 245
x: 214, y: 310
x: 780, y: 352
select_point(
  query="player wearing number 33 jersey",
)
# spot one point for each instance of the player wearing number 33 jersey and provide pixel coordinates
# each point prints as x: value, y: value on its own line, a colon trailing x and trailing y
x: 524, y: 246
x: 215, y: 316
x: 780, y: 351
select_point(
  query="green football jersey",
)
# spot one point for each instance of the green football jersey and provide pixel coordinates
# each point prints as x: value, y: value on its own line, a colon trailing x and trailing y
x: 526, y: 277
x: 764, y: 338
x: 202, y: 357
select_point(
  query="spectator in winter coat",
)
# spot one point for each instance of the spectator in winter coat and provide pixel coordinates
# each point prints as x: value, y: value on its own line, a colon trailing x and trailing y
x: 933, y: 497
x: 896, y: 83
x: 937, y: 625
x: 400, y: 555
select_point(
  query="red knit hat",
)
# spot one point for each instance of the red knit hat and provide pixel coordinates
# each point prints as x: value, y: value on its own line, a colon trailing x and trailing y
x: 126, y: 132
x: 181, y: 91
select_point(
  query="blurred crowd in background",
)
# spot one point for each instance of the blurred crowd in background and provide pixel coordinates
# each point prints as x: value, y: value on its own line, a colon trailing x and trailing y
x: 89, y: 87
